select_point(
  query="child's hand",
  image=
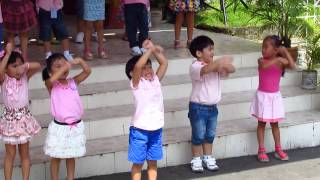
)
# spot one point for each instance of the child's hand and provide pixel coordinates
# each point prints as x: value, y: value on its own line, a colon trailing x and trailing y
x: 225, y: 60
x: 76, y: 61
x: 223, y: 73
x: 9, y: 48
x: 147, y: 44
x: 158, y: 49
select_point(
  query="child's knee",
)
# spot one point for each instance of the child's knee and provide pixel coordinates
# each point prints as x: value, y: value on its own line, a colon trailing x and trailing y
x: 210, y: 137
x: 274, y: 125
x: 152, y: 164
x: 198, y: 138
x: 261, y: 124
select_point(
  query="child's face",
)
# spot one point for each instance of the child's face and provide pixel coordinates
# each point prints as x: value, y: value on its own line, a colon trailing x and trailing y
x: 268, y: 50
x: 56, y: 66
x: 16, y: 69
x: 147, y: 72
x: 206, y: 54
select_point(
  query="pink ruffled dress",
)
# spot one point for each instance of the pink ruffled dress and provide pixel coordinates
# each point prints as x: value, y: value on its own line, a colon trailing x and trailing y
x: 17, y: 124
x: 267, y: 105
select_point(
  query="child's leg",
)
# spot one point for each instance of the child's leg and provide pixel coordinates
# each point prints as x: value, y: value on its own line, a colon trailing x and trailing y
x: 276, y: 134
x: 55, y: 163
x: 260, y: 133
x: 98, y: 25
x: 136, y: 171
x: 24, y: 45
x: 178, y: 24
x: 152, y: 170
x: 190, y: 22
x: 87, y: 35
x: 25, y: 160
x: 8, y: 160
x: 70, y: 163
x: 10, y: 38
x: 207, y: 149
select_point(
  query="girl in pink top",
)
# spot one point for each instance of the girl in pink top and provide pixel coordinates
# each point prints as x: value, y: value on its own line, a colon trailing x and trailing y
x: 17, y: 125
x: 65, y: 138
x: 1, y: 34
x: 267, y: 105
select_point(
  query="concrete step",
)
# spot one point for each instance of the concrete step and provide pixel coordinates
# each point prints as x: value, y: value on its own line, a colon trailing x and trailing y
x: 109, y: 155
x: 116, y: 93
x: 116, y: 72
x: 114, y: 121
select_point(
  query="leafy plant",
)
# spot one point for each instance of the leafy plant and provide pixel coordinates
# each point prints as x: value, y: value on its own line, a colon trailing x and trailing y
x: 313, y: 52
x: 283, y: 16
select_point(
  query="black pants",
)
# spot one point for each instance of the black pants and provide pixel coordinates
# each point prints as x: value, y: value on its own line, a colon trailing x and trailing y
x: 136, y: 17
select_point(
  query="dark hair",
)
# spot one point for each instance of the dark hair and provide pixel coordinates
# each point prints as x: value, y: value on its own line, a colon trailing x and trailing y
x: 51, y: 59
x: 275, y: 40
x: 14, y: 56
x: 199, y: 43
x: 131, y: 63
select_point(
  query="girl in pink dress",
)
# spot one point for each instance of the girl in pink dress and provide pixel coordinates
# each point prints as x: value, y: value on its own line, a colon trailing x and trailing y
x: 65, y: 138
x: 267, y: 105
x: 17, y: 125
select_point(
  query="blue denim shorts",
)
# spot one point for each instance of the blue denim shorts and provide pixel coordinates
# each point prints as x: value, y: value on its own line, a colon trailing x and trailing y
x: 203, y: 119
x: 144, y: 145
x: 47, y: 24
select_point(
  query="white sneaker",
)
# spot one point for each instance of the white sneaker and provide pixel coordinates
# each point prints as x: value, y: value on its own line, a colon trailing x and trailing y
x: 210, y: 163
x: 79, y: 37
x: 17, y: 40
x: 95, y: 36
x: 196, y: 165
x: 135, y: 51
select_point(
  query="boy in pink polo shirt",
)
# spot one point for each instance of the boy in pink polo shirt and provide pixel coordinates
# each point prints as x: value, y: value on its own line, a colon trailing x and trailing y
x: 145, y: 138
x: 206, y: 93
x: 51, y: 18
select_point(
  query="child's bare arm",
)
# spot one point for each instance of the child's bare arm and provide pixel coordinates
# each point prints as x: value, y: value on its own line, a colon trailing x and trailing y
x: 266, y: 64
x: 55, y: 77
x: 86, y: 70
x: 33, y: 68
x: 4, y: 62
x: 137, y: 70
x: 215, y: 66
x: 290, y: 62
x: 161, y: 71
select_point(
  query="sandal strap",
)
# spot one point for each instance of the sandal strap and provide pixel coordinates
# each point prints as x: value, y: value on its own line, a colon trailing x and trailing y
x: 281, y: 154
x: 261, y: 150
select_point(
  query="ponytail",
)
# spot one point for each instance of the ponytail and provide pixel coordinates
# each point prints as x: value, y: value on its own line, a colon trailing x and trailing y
x: 45, y: 74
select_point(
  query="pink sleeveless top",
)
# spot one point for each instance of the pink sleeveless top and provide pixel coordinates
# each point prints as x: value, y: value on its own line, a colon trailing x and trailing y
x: 269, y: 79
x: 66, y: 105
x: 15, y: 92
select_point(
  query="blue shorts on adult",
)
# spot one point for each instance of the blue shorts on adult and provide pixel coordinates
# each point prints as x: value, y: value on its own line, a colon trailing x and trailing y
x: 144, y: 145
x: 47, y: 24
x: 203, y: 119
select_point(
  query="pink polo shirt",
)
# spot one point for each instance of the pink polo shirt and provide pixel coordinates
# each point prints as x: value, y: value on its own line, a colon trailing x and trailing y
x: 206, y: 89
x: 148, y: 101
x: 50, y: 4
x: 136, y: 1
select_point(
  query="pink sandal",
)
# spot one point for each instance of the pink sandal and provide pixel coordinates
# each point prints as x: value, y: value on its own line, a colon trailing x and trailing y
x: 262, y: 156
x: 279, y: 154
x: 177, y: 44
x: 188, y: 43
x: 102, y: 53
x: 87, y: 54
